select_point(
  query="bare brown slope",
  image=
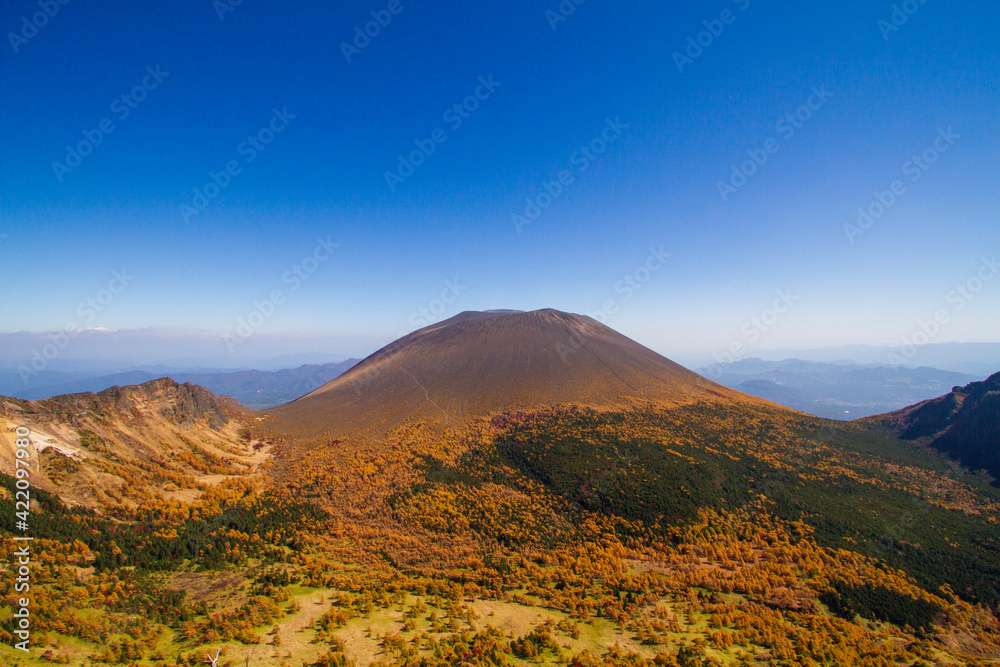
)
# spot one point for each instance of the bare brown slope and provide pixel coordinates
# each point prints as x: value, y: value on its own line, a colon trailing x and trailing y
x: 480, y: 362
x: 126, y: 444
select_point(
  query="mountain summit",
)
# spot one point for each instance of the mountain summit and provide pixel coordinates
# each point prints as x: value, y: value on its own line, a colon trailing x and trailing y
x: 479, y: 362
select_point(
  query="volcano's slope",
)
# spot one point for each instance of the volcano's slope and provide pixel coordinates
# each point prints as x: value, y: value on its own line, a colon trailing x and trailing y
x: 481, y: 362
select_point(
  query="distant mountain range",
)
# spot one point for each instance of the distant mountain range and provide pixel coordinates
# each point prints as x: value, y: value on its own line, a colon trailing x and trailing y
x: 844, y: 391
x: 836, y: 391
x: 254, y: 389
x: 975, y: 359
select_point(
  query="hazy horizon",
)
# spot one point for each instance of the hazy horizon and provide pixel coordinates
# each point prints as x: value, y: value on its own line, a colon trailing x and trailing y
x: 125, y: 350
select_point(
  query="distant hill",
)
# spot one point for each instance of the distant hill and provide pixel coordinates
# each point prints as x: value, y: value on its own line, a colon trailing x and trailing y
x: 254, y: 389
x: 259, y: 390
x: 964, y: 425
x: 976, y: 359
x: 835, y: 391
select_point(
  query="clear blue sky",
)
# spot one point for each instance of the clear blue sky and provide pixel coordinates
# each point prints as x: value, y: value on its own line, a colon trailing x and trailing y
x: 888, y: 94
